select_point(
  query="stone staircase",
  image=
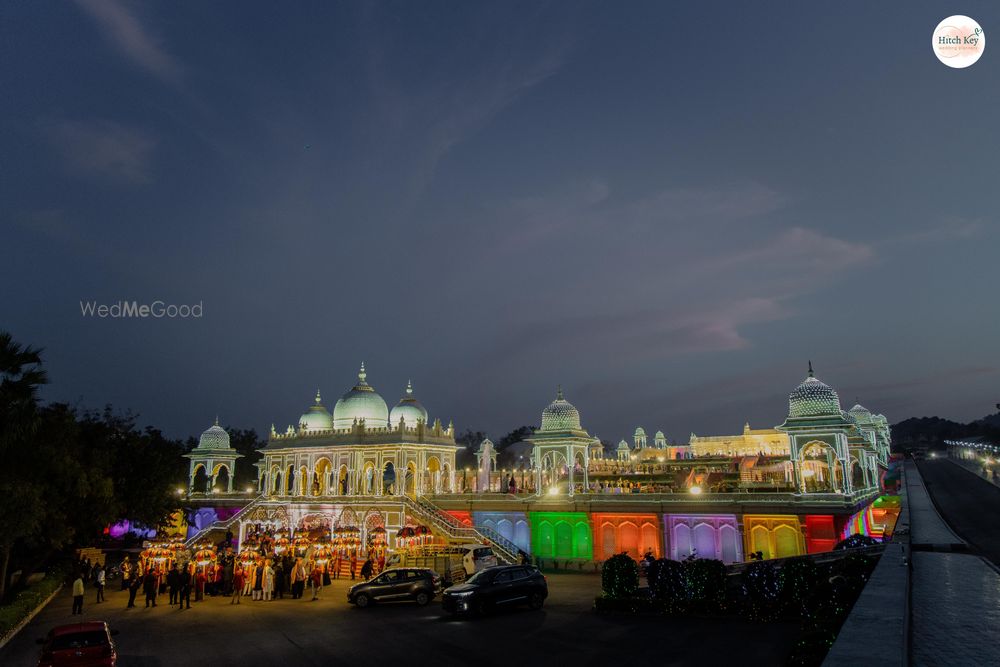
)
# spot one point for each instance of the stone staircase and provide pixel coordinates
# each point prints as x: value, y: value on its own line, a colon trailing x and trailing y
x: 459, y: 533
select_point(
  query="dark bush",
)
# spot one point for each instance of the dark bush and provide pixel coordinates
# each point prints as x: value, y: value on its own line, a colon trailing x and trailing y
x: 801, y: 584
x: 762, y: 585
x: 667, y: 583
x: 620, y: 576
x: 705, y: 583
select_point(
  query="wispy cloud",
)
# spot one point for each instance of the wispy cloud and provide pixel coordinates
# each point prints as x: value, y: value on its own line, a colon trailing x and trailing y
x: 103, y: 150
x: 123, y: 28
x: 429, y: 122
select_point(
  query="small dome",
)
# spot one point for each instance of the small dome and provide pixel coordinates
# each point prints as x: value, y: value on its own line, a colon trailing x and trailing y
x: 408, y: 409
x: 813, y: 398
x: 861, y: 414
x: 640, y: 431
x: 361, y: 402
x: 316, y: 418
x: 214, y: 437
x: 623, y: 446
x: 560, y: 415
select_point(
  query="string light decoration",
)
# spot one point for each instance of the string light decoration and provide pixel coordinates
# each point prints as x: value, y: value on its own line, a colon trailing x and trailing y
x: 620, y: 577
x: 762, y: 583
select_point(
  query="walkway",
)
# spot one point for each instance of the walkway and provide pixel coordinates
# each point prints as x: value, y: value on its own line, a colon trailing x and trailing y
x: 955, y: 605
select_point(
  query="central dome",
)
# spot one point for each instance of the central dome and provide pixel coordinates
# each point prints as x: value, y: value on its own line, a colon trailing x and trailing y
x: 408, y: 409
x: 316, y: 418
x: 361, y: 402
x: 560, y: 415
x: 214, y: 437
x: 813, y: 398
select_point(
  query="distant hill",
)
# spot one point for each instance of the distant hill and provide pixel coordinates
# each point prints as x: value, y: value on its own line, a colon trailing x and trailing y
x: 924, y: 432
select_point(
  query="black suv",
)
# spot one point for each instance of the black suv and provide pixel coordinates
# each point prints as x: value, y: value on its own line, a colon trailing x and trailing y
x: 496, y: 587
x: 395, y: 585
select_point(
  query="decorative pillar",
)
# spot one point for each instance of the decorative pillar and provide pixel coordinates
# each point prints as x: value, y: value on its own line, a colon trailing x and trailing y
x: 571, y: 464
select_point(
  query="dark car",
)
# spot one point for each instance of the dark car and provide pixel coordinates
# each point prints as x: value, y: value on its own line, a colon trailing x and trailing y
x: 80, y: 645
x: 497, y: 587
x: 397, y: 584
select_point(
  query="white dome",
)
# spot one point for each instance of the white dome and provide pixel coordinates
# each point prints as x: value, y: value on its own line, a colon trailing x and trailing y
x: 214, y: 437
x: 316, y: 418
x: 560, y: 415
x: 361, y: 402
x: 813, y: 398
x: 408, y: 409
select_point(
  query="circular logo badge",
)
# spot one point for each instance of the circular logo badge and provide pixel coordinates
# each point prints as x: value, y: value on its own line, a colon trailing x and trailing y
x: 958, y: 41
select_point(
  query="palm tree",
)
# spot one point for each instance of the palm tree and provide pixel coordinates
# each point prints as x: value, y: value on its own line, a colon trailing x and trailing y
x: 21, y: 373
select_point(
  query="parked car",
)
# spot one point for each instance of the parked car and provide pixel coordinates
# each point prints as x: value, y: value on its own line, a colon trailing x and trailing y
x: 476, y: 557
x: 397, y: 584
x: 87, y: 644
x: 497, y: 587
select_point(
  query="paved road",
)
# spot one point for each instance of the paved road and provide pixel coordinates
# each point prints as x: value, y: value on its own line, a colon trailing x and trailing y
x: 967, y: 502
x: 955, y: 596
x: 331, y: 632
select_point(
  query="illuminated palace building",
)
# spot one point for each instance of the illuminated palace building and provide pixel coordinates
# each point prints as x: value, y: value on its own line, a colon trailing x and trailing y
x: 387, y: 476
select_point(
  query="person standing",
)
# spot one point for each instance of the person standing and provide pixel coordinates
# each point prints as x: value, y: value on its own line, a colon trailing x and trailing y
x: 199, y: 584
x: 237, y: 585
x: 258, y: 582
x: 248, y: 579
x: 268, y: 590
x: 297, y: 578
x: 126, y: 568
x: 187, y: 583
x: 316, y: 580
x: 174, y: 584
x: 228, y: 570
x: 78, y: 594
x: 99, y: 580
x: 366, y: 569
x: 381, y: 561
x: 354, y: 563
x: 280, y: 577
x: 336, y: 566
x: 135, y: 581
x: 149, y: 587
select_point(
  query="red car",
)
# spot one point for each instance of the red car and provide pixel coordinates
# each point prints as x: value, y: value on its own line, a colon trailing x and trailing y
x: 80, y: 645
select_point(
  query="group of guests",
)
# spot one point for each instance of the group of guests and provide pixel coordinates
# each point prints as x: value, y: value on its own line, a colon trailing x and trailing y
x: 264, y: 578
x: 271, y: 578
x: 87, y: 573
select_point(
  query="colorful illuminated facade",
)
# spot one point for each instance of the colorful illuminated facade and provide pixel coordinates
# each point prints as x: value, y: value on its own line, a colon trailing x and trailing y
x: 795, y: 489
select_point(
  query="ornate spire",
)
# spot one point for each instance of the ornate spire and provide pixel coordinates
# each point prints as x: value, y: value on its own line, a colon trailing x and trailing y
x: 216, y: 420
x: 559, y: 395
x: 811, y: 369
x: 362, y: 374
x: 318, y: 397
x: 409, y: 388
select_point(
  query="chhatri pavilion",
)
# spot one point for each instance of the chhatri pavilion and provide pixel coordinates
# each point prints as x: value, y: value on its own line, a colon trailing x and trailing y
x: 386, y: 475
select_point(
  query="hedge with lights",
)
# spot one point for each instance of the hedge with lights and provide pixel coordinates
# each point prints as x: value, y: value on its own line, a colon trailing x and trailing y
x: 620, y: 576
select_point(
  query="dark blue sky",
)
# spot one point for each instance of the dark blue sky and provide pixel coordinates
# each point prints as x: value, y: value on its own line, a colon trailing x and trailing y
x: 667, y: 208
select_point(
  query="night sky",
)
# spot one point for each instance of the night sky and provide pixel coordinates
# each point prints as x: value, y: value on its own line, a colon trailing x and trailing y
x: 666, y: 208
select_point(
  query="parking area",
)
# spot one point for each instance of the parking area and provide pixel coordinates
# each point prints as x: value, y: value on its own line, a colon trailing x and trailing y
x: 329, y: 631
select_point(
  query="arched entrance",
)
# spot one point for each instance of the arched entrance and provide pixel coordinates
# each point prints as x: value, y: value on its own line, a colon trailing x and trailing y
x: 221, y: 474
x: 342, y: 481
x: 199, y: 480
x: 820, y: 469
x: 321, y: 477
x: 410, y: 479
x: 389, y: 479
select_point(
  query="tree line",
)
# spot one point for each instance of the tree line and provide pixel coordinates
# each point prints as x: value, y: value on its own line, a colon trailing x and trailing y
x: 67, y: 473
